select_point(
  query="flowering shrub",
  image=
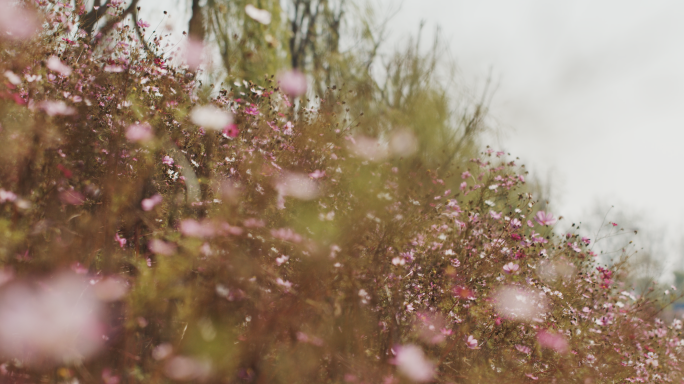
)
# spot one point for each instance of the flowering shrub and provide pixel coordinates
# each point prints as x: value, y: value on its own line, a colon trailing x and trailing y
x: 151, y: 233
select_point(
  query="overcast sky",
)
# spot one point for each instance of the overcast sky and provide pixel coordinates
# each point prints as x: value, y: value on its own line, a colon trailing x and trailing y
x: 590, y: 92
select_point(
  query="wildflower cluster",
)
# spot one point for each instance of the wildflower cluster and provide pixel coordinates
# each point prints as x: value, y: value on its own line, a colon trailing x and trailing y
x: 154, y: 233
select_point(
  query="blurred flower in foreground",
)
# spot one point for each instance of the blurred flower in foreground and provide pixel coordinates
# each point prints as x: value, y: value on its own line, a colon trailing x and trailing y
x: 193, y: 228
x: 471, y: 342
x: 51, y: 322
x: 411, y: 362
x: 210, y: 117
x: 552, y: 341
x: 293, y: 82
x: 183, y: 368
x: 139, y: 132
x: 297, y: 185
x: 17, y: 23
x: 368, y: 148
x: 193, y: 52
x: 160, y: 247
x: 518, y: 303
x: 57, y: 108
x: 403, y: 143
x: 260, y: 15
x: 55, y: 64
x: 150, y: 203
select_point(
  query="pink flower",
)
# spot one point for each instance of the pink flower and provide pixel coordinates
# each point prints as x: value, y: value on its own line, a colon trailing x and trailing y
x: 411, y: 362
x: 465, y: 175
x: 194, y: 228
x: 231, y: 130
x: 193, y: 53
x: 286, y: 234
x: 317, y: 174
x: 17, y: 23
x: 523, y: 349
x: 293, y: 83
x: 120, y: 240
x: 57, y: 108
x: 544, y: 218
x: 552, y: 341
x: 139, y: 132
x: 50, y: 322
x: 260, y: 15
x: 515, y: 223
x: 511, y: 268
x: 471, y: 342
x: 167, y: 160
x: 495, y: 215
x: 71, y: 197
x: 183, y: 368
x: 296, y: 185
x: 518, y: 303
x: 143, y: 24
x: 161, y: 247
x: 55, y: 64
x: 149, y: 204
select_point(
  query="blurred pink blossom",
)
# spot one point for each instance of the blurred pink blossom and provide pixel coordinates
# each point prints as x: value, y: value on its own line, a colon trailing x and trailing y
x: 150, y: 203
x: 194, y: 228
x: 57, y: 108
x: 403, y: 142
x: 139, y: 132
x: 183, y: 368
x: 71, y: 197
x: 518, y: 303
x: 367, y: 148
x: 412, y: 363
x: 16, y: 22
x: 193, y: 53
x: 110, y: 288
x: 55, y: 64
x: 297, y: 185
x: 160, y: 247
x: 293, y: 83
x: 53, y: 322
x: 552, y: 341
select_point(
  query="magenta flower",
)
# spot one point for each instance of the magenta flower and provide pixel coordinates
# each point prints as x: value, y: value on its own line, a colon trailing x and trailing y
x: 231, y: 130
x: 544, y: 218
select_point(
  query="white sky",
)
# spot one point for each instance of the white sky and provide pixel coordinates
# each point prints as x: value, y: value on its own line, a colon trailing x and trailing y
x: 590, y: 92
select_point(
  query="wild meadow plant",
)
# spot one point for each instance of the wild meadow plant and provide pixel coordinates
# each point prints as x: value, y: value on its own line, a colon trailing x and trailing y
x: 151, y: 233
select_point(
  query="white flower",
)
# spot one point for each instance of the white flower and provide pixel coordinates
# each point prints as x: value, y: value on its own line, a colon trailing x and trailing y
x: 411, y: 362
x: 56, y: 321
x: 210, y: 117
x: 261, y: 15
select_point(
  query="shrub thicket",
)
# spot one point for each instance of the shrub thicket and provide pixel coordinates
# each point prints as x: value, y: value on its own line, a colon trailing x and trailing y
x: 151, y: 233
